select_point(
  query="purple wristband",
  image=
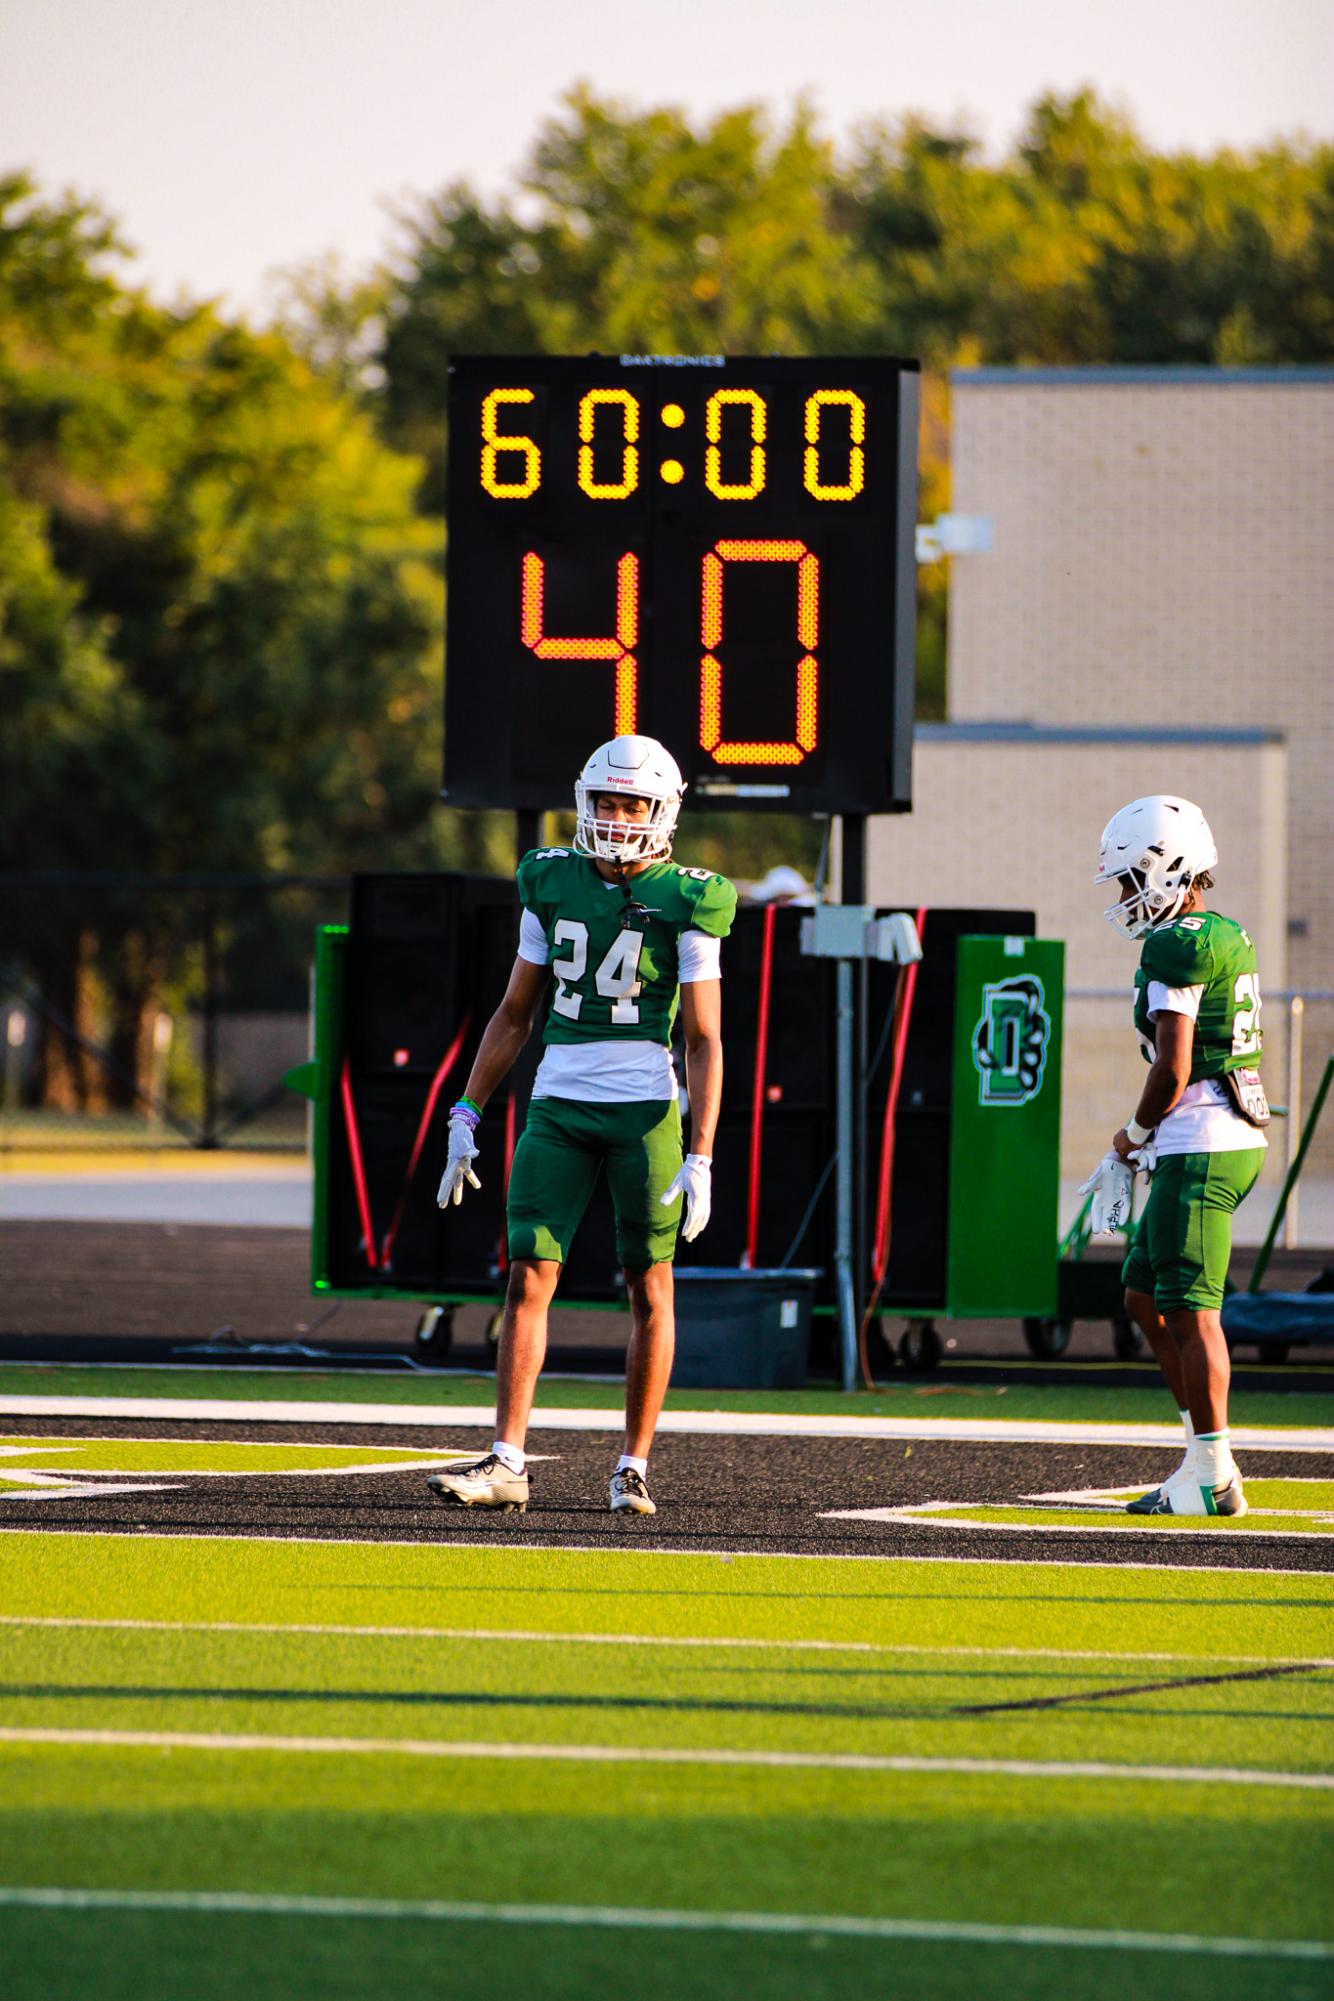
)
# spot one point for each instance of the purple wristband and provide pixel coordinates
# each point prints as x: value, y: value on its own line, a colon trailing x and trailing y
x: 468, y: 1112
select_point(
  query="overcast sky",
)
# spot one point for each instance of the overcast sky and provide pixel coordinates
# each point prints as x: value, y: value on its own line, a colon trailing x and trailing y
x: 231, y: 137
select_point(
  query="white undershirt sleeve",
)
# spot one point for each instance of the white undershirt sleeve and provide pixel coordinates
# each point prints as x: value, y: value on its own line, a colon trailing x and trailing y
x: 698, y: 957
x: 533, y: 940
x: 1174, y: 1000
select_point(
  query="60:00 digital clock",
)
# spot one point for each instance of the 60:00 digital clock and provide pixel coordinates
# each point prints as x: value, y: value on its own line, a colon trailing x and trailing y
x: 716, y: 552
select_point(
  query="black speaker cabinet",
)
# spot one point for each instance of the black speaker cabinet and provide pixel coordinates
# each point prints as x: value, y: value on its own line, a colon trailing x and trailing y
x: 426, y: 964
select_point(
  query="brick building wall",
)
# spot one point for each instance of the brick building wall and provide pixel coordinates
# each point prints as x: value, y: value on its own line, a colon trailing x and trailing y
x: 1164, y: 553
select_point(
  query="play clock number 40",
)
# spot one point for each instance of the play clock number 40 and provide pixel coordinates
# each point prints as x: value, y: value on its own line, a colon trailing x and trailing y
x: 714, y: 551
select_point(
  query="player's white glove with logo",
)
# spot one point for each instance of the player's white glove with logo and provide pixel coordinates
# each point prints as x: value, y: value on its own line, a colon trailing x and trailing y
x: 1110, y: 1184
x: 695, y: 1181
x: 458, y: 1167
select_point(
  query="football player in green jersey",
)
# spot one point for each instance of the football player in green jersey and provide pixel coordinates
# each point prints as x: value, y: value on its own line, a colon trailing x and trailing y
x: 1199, y: 1120
x: 622, y: 935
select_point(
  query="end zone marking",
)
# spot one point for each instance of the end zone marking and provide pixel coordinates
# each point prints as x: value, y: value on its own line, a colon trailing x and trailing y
x: 609, y: 1917
x: 635, y: 1754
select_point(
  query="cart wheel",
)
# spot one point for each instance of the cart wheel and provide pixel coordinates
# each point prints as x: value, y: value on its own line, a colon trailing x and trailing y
x: 435, y: 1332
x: 1127, y: 1341
x: 493, y: 1326
x: 1273, y: 1351
x: 1047, y: 1338
x: 920, y: 1345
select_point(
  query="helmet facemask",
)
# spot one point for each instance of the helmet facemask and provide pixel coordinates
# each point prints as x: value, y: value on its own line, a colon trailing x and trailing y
x: 1153, y: 901
x: 624, y: 840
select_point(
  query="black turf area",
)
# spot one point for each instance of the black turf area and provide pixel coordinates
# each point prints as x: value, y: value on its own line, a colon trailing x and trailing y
x: 744, y: 1495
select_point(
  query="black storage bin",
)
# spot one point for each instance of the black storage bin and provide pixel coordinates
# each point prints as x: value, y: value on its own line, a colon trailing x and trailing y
x: 742, y: 1330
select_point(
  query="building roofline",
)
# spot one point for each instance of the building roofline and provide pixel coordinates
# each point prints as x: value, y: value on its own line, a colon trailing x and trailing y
x: 1043, y: 734
x: 1142, y: 378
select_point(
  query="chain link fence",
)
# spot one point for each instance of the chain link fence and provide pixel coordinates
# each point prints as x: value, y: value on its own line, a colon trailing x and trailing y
x: 159, y: 1012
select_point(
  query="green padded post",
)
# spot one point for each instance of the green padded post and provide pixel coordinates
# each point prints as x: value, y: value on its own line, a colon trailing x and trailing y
x: 1005, y: 1130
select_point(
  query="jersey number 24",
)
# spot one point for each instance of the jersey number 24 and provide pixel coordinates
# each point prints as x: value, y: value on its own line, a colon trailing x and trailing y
x: 616, y: 979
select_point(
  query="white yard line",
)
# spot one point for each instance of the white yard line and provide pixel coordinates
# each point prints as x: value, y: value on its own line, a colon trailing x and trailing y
x: 493, y: 1636
x: 637, y: 1550
x: 604, y: 1917
x: 636, y: 1754
x: 724, y: 1423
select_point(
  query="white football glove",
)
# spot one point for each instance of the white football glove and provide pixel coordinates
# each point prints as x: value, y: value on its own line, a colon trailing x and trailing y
x: 1110, y: 1184
x: 458, y: 1167
x: 694, y: 1180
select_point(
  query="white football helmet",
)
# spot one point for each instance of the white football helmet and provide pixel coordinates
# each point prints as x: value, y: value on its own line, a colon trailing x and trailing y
x: 1162, y: 843
x: 640, y: 768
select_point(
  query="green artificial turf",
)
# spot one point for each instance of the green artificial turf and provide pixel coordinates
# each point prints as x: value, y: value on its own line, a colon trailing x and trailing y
x: 1092, y: 1401
x: 71, y: 1955
x: 929, y: 1659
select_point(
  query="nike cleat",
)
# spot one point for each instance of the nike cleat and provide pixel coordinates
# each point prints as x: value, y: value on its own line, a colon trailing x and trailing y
x: 1188, y: 1497
x: 1228, y: 1500
x: 1157, y: 1501
x: 484, y: 1483
x: 630, y: 1494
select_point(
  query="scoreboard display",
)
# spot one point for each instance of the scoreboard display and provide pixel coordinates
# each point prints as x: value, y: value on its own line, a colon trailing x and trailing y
x: 717, y: 552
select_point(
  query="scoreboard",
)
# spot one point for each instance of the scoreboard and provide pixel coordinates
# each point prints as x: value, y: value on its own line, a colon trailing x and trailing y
x: 717, y: 552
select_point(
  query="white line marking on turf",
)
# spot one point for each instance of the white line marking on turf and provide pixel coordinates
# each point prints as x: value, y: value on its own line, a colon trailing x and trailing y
x: 405, y: 1459
x: 610, y: 1917
x: 637, y: 1550
x: 62, y: 1487
x: 936, y: 1515
x: 637, y: 1754
x: 724, y: 1423
x: 656, y: 1640
x: 1110, y: 1496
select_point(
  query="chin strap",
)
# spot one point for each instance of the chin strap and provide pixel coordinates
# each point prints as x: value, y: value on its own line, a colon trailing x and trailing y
x: 630, y: 910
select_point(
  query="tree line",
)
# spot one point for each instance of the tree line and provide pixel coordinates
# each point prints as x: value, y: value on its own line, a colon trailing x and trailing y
x: 221, y: 544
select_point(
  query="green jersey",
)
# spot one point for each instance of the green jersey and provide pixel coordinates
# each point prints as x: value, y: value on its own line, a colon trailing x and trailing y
x: 614, y: 958
x: 1214, y: 954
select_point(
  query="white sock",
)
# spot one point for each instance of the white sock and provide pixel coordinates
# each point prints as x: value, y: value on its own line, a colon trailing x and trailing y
x: 1188, y: 1426
x: 509, y: 1456
x: 1214, y: 1464
x: 627, y: 1464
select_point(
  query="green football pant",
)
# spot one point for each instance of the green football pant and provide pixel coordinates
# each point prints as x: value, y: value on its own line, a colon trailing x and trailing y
x: 565, y: 1146
x: 1183, y: 1241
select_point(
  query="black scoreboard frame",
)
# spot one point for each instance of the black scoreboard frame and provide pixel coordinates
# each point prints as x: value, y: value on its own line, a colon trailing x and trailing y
x: 716, y: 551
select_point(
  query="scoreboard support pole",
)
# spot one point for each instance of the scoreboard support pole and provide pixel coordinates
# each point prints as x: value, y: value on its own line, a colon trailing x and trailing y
x: 850, y: 1127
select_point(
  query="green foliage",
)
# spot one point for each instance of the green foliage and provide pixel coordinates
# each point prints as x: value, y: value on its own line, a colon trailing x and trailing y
x: 213, y: 574
x: 220, y: 613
